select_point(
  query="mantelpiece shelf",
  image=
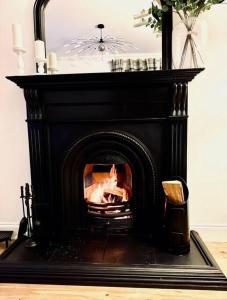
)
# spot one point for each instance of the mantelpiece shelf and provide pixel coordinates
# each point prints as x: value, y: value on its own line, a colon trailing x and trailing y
x: 107, y: 79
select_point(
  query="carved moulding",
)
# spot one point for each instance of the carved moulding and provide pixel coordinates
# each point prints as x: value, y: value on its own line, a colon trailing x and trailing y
x: 34, y: 106
x: 180, y: 96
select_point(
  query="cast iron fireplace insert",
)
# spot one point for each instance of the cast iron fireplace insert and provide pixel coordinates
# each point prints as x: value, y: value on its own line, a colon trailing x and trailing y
x: 100, y: 146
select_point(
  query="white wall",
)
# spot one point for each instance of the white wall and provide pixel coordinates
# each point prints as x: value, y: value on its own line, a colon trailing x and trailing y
x: 207, y: 144
x: 14, y: 161
x: 207, y: 147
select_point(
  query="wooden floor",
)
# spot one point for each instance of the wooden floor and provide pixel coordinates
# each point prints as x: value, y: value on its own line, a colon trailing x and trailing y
x: 55, y: 292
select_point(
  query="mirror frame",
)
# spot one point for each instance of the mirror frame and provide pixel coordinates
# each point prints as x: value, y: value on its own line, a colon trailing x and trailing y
x: 39, y: 31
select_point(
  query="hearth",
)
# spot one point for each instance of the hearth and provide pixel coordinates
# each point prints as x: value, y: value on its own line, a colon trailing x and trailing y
x: 100, y: 146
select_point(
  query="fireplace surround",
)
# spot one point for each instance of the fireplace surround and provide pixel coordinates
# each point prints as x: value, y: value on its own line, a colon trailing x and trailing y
x: 100, y: 145
x: 110, y: 123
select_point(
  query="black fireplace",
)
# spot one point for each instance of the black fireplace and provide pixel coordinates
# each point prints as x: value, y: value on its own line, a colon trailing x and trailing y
x: 100, y: 146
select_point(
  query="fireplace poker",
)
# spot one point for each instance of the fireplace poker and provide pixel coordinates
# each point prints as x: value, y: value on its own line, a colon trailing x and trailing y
x: 28, y: 196
x: 22, y: 198
x: 24, y: 221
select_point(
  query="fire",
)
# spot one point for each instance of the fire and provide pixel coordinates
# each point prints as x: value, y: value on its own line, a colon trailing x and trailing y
x: 105, y: 189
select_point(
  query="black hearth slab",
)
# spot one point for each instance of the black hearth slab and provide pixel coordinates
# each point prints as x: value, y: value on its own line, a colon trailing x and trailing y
x: 149, y: 268
x: 123, y: 250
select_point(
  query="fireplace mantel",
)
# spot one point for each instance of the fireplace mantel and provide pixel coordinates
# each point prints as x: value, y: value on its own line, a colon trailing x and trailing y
x: 138, y: 95
x: 137, y: 120
x: 105, y: 79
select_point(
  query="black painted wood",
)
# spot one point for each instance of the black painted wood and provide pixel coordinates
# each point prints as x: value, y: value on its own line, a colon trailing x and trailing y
x: 140, y: 108
x: 103, y: 80
x: 140, y: 117
x: 196, y: 270
x: 39, y: 19
x: 167, y: 24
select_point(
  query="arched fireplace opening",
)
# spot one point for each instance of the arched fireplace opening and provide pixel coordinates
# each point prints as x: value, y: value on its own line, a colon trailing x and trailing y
x: 109, y: 185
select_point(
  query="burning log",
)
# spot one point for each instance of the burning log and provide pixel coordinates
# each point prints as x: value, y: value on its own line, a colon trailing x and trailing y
x: 106, y: 191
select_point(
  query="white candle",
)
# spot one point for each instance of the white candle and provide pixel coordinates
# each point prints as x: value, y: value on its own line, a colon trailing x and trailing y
x: 52, y: 60
x: 17, y: 36
x: 39, y: 51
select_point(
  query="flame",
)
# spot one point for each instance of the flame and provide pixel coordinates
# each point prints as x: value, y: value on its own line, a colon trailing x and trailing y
x: 107, y: 190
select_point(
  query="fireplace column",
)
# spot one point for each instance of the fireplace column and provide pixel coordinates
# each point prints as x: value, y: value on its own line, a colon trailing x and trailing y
x: 39, y: 162
x: 176, y: 216
x: 178, y: 135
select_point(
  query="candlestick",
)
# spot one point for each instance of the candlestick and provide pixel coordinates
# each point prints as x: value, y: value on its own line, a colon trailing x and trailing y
x: 52, y: 62
x: 41, y: 67
x: 20, y: 61
x: 40, y: 56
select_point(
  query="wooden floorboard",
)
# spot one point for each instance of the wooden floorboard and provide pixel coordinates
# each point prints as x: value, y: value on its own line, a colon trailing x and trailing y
x: 53, y: 292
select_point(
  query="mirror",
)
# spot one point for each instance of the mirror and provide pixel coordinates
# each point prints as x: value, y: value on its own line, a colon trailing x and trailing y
x: 92, y: 36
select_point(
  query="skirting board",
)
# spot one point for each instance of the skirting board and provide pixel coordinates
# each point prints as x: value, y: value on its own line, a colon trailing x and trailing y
x: 10, y: 226
x: 212, y: 233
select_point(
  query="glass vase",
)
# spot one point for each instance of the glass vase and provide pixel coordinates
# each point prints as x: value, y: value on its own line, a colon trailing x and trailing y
x: 187, y: 39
